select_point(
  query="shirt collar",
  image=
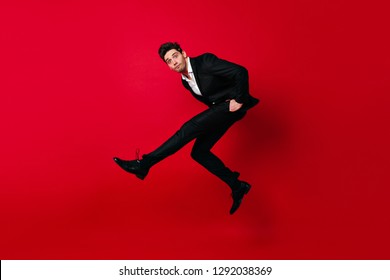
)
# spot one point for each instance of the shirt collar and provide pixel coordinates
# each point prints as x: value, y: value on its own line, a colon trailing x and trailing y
x: 189, y: 68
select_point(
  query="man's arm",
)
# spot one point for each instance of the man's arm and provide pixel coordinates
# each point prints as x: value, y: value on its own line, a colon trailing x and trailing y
x: 237, y: 73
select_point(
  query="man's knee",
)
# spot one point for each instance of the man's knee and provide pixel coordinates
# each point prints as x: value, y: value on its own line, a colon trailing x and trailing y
x: 198, y: 154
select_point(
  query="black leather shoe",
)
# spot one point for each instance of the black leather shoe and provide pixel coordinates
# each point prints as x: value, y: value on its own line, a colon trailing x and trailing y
x: 238, y: 195
x: 133, y: 167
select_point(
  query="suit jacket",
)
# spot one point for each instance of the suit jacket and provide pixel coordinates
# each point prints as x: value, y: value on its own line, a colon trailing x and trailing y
x: 219, y: 80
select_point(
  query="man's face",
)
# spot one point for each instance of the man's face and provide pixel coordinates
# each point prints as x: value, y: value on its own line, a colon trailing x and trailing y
x: 176, y: 60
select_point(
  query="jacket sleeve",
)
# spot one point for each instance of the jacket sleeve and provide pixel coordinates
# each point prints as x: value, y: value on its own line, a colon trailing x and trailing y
x: 236, y: 73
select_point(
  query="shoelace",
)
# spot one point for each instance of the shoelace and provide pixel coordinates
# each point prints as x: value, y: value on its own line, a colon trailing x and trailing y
x: 137, y: 154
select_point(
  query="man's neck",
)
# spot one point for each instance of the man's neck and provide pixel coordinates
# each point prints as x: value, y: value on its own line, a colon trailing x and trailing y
x: 185, y: 73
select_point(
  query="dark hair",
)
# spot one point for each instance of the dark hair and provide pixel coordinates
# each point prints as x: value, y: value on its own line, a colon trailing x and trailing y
x: 166, y: 47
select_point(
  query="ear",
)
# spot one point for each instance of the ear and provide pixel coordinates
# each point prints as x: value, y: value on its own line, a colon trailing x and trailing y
x: 184, y: 54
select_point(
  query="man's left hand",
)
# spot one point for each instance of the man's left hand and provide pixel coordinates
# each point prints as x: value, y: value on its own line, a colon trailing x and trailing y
x: 234, y: 105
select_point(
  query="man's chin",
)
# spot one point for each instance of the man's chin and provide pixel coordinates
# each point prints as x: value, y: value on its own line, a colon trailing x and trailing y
x: 179, y: 69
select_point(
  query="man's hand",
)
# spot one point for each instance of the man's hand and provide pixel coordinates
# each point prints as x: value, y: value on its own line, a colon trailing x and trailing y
x: 234, y: 105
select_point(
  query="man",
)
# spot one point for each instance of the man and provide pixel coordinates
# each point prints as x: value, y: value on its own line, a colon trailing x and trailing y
x: 223, y: 87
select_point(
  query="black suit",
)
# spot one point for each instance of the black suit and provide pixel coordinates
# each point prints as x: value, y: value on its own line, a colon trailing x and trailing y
x: 218, y: 81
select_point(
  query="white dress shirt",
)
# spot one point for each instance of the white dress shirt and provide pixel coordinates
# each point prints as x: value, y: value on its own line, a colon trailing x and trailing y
x: 192, y: 81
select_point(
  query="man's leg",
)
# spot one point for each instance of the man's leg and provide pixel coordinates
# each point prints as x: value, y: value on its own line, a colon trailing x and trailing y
x: 211, y: 118
x: 208, y: 127
x: 214, y: 118
x: 202, y: 154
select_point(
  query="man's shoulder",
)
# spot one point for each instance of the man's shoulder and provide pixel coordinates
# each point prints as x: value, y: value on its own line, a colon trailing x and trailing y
x: 204, y: 58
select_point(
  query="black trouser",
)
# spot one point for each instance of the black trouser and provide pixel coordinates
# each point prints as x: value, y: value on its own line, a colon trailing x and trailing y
x: 207, y: 128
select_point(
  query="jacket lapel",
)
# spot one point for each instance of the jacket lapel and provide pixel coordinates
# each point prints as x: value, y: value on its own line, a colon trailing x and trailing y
x: 194, y: 64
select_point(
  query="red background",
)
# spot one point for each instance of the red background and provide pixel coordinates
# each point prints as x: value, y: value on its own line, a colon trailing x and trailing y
x: 81, y: 82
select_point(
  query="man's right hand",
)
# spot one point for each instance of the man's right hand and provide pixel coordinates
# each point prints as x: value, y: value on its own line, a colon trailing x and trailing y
x: 234, y: 105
